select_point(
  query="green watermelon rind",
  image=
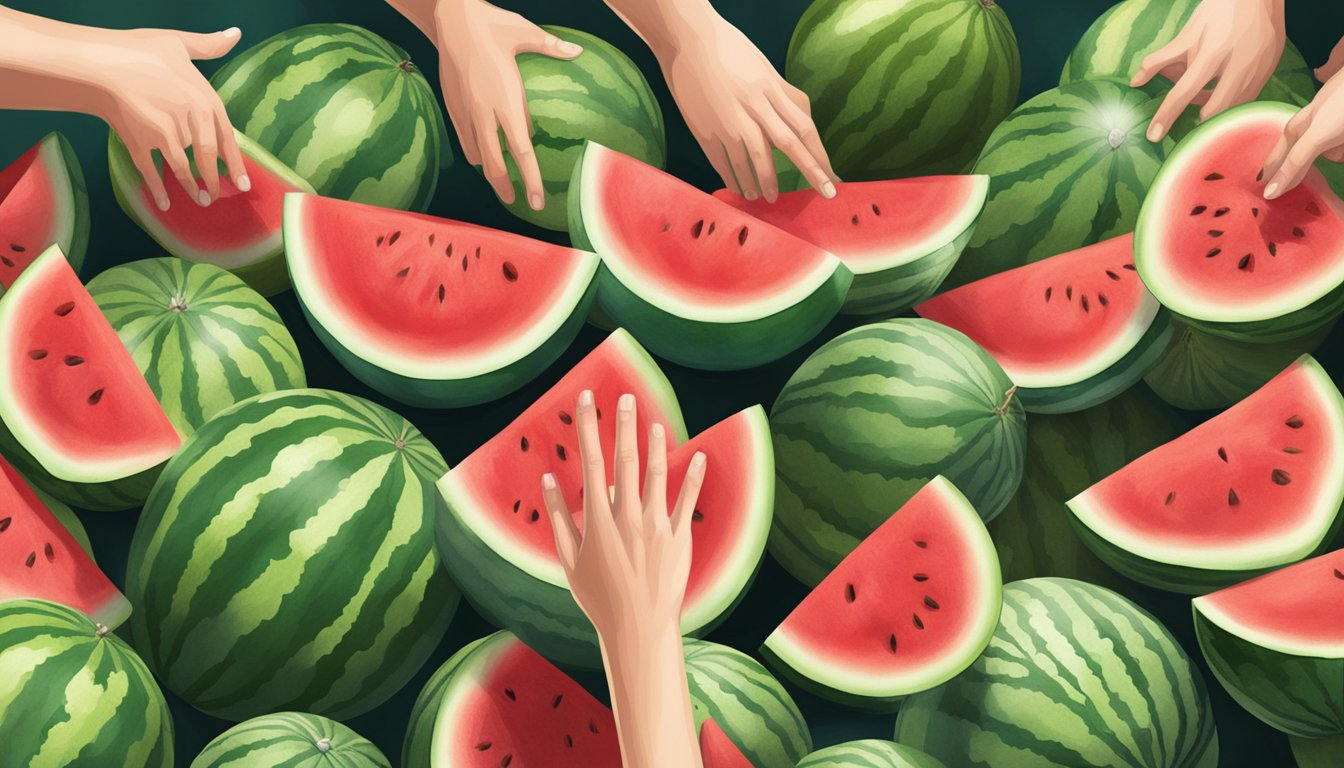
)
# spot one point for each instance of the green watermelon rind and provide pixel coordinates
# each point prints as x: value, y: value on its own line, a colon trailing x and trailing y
x: 416, y: 746
x: 1317, y: 753
x: 869, y: 753
x: 293, y: 739
x: 70, y: 197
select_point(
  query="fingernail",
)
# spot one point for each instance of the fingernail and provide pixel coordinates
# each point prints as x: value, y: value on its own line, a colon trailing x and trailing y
x: 586, y: 398
x: 233, y: 32
x: 751, y: 194
x: 548, y: 481
x: 698, y: 460
x: 570, y: 49
x: 1272, y: 190
x: 162, y: 202
x: 626, y: 404
x: 203, y: 198
x: 657, y: 431
x: 828, y: 190
x: 536, y: 202
x: 1156, y: 131
x: 771, y: 195
x: 243, y: 183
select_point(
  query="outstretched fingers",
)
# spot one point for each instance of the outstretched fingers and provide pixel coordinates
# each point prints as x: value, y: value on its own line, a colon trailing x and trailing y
x: 655, y: 474
x: 627, y: 462
x: 684, y: 510
x: 567, y: 536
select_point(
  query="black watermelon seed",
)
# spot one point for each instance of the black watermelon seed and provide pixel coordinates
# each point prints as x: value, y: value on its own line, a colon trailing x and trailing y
x: 918, y: 622
x: 95, y: 397
x: 1171, y: 496
x: 1260, y: 176
x: 404, y: 272
x: 523, y: 443
x: 1112, y: 275
x: 431, y: 239
x: 483, y: 746
x: 49, y: 552
x: 448, y: 252
x: 697, y: 228
x: 592, y: 726
x: 1083, y: 300
x: 1220, y: 212
x: 560, y: 451
x: 891, y: 643
x: 1214, y: 177
x: 8, y: 262
x: 15, y: 247
x: 1222, y: 454
x: 1273, y: 248
x: 4, y: 523
x: 1299, y: 232
x: 1101, y: 297
x: 478, y: 252
x: 393, y: 239
x: 1048, y: 291
x: 850, y: 595
x: 38, y: 354
x: 667, y: 226
x: 1339, y: 574
x: 876, y: 211
x: 65, y: 309
x: 1068, y: 292
x: 510, y: 272
x: 1294, y: 422
x: 73, y: 360
x: 742, y: 236
x: 1313, y: 208
x: 711, y: 229
x: 441, y: 293
x: 931, y: 603
x: 1255, y: 211
x: 512, y: 696
x: 922, y: 544
x: 1131, y: 267
x: 1213, y: 252
x: 569, y: 741
x: 516, y: 504
x: 565, y: 418
x: 535, y: 516
x: 32, y: 558
x: 921, y: 577
x: 697, y: 516
x: 464, y: 262
x: 1291, y: 449
x: 1215, y: 233
x: 854, y: 219
x: 1245, y: 262
x: 555, y: 703
x: 1232, y: 499
x: 506, y: 762
x: 378, y: 243
x: 1280, y: 477
x: 1198, y: 209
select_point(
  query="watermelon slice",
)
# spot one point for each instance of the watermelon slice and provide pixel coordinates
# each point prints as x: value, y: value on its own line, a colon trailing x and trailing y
x: 1252, y: 489
x: 430, y: 311
x: 1071, y: 331
x: 719, y: 751
x: 43, y: 202
x: 912, y: 606
x: 504, y: 705
x: 498, y: 543
x: 240, y: 231
x: 1276, y: 643
x: 1214, y: 251
x: 696, y: 280
x: 75, y: 411
x: 39, y: 558
x: 900, y: 238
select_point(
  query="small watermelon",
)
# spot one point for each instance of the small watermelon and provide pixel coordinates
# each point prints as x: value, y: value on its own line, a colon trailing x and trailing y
x: 292, y: 739
x: 719, y: 751
x: 869, y: 753
x: 430, y: 311
x: 746, y: 705
x: 416, y: 747
x: 696, y: 280
x: 1254, y: 488
x: 899, y: 238
x: 43, y: 202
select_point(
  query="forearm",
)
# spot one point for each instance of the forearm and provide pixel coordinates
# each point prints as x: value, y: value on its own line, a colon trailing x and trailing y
x: 646, y: 674
x: 665, y: 25
x: 44, y: 64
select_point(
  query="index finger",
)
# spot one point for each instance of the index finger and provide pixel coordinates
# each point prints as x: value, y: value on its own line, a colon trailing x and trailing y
x: 229, y: 150
x: 590, y: 452
x: 1180, y: 96
x: 517, y: 132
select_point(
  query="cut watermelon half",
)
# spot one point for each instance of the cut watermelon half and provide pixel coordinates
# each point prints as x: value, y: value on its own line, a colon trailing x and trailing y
x: 39, y: 558
x: 1071, y: 331
x: 240, y: 231
x: 695, y: 279
x: 1214, y: 251
x: 430, y: 311
x: 912, y: 606
x: 504, y: 705
x: 75, y: 408
x: 900, y: 238
x: 43, y: 202
x: 1252, y: 489
x: 719, y: 751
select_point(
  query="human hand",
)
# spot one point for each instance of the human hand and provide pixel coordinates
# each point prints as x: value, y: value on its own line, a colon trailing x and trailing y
x: 1236, y: 42
x: 1333, y: 64
x: 1317, y: 130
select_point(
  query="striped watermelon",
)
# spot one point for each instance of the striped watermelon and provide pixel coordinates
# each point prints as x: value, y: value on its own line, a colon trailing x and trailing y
x: 1067, y: 169
x: 904, y: 87
x: 1075, y: 675
x: 848, y: 422
x: 76, y: 696
x: 203, y: 339
x: 293, y: 740
x: 600, y: 96
x: 285, y: 559
x: 344, y: 108
x: 869, y: 753
x: 43, y: 202
x: 742, y: 699
x: 416, y: 747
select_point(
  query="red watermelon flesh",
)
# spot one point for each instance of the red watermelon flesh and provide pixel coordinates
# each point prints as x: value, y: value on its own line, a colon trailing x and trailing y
x: 40, y: 559
x: 1300, y: 607
x: 719, y: 751
x: 38, y: 207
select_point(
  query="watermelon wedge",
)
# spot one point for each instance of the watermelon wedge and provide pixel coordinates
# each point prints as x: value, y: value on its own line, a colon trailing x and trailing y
x: 77, y: 418
x: 1276, y: 643
x: 912, y: 606
x: 40, y: 558
x: 900, y: 238
x: 498, y: 543
x: 239, y: 232
x: 1214, y: 251
x: 719, y: 751
x: 504, y: 705
x: 696, y: 280
x: 1254, y: 488
x: 1072, y: 331
x: 430, y: 311
x: 43, y: 202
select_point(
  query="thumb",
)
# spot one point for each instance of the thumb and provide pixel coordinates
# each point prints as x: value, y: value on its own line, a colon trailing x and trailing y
x: 210, y: 45
x: 546, y: 44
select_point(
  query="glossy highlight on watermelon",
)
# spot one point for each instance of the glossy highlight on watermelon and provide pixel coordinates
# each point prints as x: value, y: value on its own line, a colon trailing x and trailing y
x: 76, y: 418
x: 696, y: 280
x: 1071, y: 331
x: 43, y: 202
x: 900, y: 238
x: 1254, y: 488
x: 1215, y: 252
x: 913, y: 605
x: 293, y: 740
x: 430, y: 311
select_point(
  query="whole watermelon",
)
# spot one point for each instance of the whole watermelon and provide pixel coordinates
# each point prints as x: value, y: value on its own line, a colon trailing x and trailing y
x: 602, y: 96
x: 344, y: 108
x: 904, y: 87
x: 1074, y: 675
x: 285, y: 559
x: 747, y: 702
x: 869, y: 753
x: 1068, y: 168
x: 74, y: 695
x: 869, y: 419
x: 202, y: 338
x: 294, y: 739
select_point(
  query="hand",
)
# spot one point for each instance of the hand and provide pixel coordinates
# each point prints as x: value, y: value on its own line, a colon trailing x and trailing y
x: 1236, y: 42
x: 1316, y: 130
x: 1333, y: 64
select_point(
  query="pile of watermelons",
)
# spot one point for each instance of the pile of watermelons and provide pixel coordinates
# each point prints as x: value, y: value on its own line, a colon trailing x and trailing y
x: 997, y: 413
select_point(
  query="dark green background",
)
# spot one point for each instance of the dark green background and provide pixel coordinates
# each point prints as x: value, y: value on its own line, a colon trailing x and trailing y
x: 1046, y: 30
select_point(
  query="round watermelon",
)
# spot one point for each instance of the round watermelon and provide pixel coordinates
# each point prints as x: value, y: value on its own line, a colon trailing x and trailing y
x: 203, y: 339
x: 602, y: 96
x: 292, y: 739
x: 1075, y: 675
x: 1068, y: 168
x: 904, y: 87
x: 75, y: 695
x: 869, y: 753
x: 869, y: 419
x: 747, y: 702
x: 344, y: 108
x: 285, y: 559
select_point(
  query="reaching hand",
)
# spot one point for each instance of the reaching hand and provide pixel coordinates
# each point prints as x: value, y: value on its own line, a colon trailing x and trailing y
x: 1315, y: 131
x: 1236, y: 42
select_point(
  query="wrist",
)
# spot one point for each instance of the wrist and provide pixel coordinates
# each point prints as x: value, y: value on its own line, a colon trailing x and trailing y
x: 692, y: 25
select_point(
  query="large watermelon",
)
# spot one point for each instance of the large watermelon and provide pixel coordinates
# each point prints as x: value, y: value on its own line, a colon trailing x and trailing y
x: 43, y: 202
x: 75, y: 695
x: 742, y: 699
x: 202, y: 339
x: 293, y: 740
x: 1067, y: 169
x: 1075, y: 675
x: 873, y: 416
x: 430, y: 311
x: 904, y: 87
x: 344, y: 108
x: 869, y: 753
x: 286, y: 560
